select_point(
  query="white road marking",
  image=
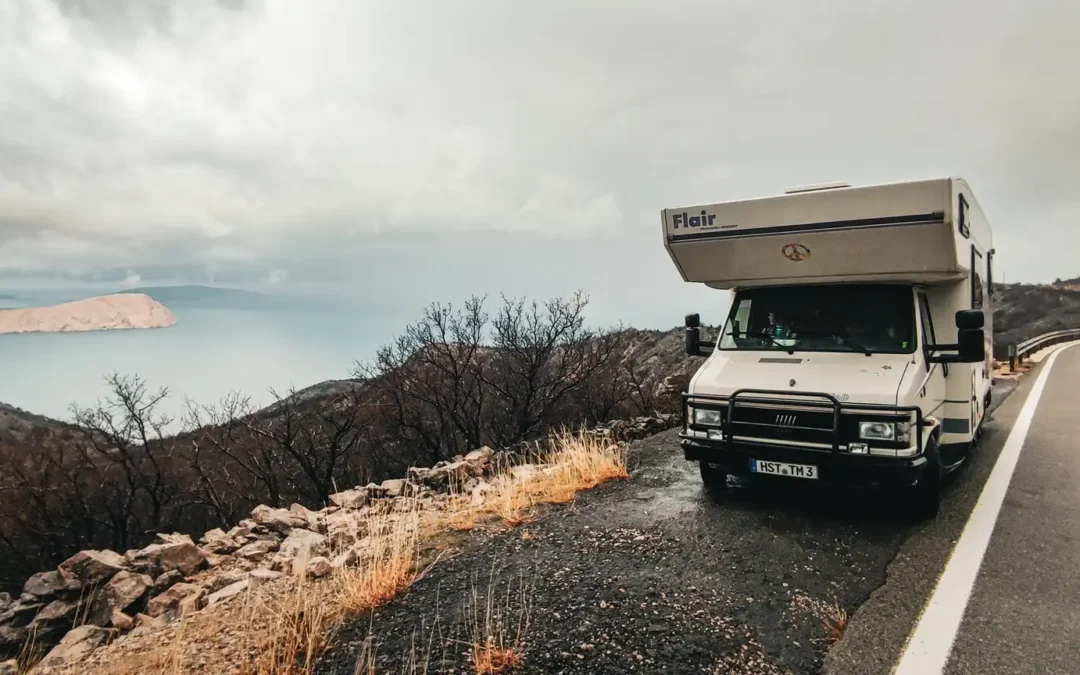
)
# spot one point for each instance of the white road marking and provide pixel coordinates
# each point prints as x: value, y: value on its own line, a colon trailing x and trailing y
x: 928, y: 648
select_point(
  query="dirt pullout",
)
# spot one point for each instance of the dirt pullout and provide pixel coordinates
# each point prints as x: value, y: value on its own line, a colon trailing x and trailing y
x: 646, y: 575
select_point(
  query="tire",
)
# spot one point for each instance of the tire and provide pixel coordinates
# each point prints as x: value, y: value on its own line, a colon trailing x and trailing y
x: 713, y: 478
x: 924, y: 498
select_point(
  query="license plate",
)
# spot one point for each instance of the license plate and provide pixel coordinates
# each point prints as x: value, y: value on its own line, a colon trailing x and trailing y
x: 783, y: 469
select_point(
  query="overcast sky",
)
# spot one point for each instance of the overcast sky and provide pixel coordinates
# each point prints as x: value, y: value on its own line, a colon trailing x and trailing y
x: 493, y: 142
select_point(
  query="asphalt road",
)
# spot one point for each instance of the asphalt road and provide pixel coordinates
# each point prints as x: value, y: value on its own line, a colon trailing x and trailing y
x: 1024, y: 613
x: 1002, y: 640
x: 654, y: 575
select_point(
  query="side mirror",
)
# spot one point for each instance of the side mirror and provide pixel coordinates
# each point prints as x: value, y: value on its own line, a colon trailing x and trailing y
x: 693, y: 337
x: 970, y: 319
x: 971, y: 343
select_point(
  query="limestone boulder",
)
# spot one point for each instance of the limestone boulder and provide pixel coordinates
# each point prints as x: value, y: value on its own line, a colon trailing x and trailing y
x: 44, y: 585
x: 344, y: 527
x: 56, y: 614
x: 258, y: 577
x: 13, y: 637
x: 355, y: 498
x: 20, y: 613
x: 319, y: 567
x: 121, y: 622
x: 124, y: 591
x: 482, y: 456
x: 257, y: 550
x: 225, y: 579
x: 313, y: 520
x: 278, y: 520
x: 76, y: 645
x: 171, y: 601
x: 217, y: 541
x: 304, y: 543
x: 92, y: 568
x: 180, y: 554
x: 228, y: 592
x: 394, y: 487
x: 166, y: 579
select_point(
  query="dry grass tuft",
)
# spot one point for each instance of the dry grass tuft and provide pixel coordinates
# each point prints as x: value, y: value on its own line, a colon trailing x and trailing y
x: 834, y: 618
x: 387, y: 567
x: 491, y: 658
x: 497, y: 630
x: 834, y: 621
x: 570, y: 463
x: 302, y: 625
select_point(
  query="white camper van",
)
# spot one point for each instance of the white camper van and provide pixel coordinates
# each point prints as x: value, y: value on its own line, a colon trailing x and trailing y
x: 855, y: 349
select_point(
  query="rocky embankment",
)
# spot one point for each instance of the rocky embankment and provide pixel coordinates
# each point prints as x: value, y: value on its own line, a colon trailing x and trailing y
x: 106, y: 312
x: 99, y: 597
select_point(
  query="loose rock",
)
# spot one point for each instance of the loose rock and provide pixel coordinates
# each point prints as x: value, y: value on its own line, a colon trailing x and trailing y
x: 227, y: 592
x: 260, y: 576
x: 92, y: 567
x: 49, y: 584
x: 124, y: 590
x: 319, y: 567
x: 170, y: 599
x: 120, y: 621
x: 303, y: 543
x: 166, y: 579
x: 278, y: 520
x: 76, y: 644
x: 350, y: 499
x: 181, y: 555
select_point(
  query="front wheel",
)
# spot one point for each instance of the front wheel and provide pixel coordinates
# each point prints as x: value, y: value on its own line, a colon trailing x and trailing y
x: 924, y: 498
x: 712, y: 476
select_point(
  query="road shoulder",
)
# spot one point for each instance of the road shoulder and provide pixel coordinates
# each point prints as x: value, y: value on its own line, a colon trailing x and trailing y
x: 878, y: 631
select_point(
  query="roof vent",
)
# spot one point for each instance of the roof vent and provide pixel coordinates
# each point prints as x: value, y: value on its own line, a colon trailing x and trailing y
x: 816, y: 188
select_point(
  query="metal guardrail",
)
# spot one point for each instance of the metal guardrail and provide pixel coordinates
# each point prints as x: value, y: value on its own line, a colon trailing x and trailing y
x: 1028, y: 347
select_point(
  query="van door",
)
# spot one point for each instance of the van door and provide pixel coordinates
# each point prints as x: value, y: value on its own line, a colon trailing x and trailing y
x: 933, y: 374
x: 981, y: 375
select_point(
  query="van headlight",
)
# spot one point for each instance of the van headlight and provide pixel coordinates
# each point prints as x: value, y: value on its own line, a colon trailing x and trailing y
x: 706, y: 417
x: 877, y: 431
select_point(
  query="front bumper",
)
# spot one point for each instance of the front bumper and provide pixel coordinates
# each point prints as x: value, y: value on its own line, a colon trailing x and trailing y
x: 833, y: 468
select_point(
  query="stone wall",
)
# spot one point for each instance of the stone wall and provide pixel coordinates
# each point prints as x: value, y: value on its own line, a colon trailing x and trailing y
x: 94, y: 596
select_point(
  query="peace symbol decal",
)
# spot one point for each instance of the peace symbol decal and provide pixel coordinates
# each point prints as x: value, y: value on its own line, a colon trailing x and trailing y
x: 795, y: 252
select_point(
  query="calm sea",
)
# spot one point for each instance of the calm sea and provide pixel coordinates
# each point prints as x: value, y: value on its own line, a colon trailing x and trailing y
x: 211, y: 351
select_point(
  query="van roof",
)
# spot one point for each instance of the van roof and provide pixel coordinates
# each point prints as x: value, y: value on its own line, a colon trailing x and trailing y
x: 831, y: 233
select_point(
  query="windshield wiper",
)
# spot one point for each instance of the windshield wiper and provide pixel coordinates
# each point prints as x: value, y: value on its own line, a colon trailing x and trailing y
x: 852, y: 345
x: 844, y: 340
x: 787, y: 348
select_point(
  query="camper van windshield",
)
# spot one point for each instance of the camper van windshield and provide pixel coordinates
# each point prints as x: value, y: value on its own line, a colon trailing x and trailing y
x: 868, y: 318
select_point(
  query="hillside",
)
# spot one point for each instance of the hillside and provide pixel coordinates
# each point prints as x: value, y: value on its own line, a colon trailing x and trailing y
x: 106, y: 312
x: 1023, y: 311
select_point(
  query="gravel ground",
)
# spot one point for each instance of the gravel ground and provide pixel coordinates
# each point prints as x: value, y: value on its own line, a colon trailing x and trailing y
x: 649, y: 575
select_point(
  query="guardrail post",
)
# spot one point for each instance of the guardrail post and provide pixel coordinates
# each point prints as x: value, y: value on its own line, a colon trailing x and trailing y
x: 1012, y: 358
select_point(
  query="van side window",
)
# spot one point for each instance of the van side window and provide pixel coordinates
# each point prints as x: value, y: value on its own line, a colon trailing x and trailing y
x: 976, y: 279
x: 962, y: 217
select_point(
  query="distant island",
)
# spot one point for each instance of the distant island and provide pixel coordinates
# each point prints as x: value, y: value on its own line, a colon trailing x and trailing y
x: 106, y: 312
